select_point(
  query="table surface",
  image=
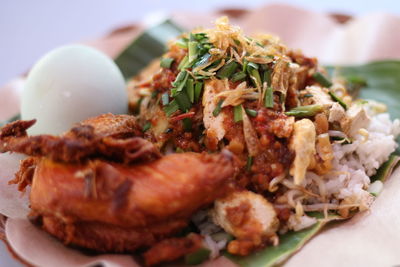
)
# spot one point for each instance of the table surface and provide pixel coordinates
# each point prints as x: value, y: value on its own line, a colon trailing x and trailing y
x: 31, y: 28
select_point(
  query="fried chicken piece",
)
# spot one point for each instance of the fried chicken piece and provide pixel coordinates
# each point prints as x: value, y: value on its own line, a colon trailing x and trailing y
x: 108, y: 136
x: 114, y: 207
x: 131, y: 196
x: 172, y: 249
x: 100, y: 187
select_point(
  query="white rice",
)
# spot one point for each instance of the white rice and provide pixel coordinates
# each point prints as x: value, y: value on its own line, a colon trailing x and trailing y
x: 354, y: 163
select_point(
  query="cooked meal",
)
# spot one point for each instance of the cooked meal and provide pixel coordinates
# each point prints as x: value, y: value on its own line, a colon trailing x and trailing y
x: 232, y: 141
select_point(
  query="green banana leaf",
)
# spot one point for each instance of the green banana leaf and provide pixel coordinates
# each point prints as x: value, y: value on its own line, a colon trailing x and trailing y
x: 382, y: 80
x: 150, y: 45
x: 288, y: 245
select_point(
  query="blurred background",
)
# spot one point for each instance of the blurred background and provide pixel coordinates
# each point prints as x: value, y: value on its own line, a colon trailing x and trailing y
x: 28, y: 29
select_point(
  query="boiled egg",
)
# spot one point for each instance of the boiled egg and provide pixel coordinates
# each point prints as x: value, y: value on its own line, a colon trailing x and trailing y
x: 70, y: 84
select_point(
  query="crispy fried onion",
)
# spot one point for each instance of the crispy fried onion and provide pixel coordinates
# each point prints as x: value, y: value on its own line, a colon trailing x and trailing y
x: 236, y: 96
x: 250, y: 136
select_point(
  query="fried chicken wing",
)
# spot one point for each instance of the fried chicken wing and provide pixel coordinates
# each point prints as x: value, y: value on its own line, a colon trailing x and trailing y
x: 130, y: 196
x: 93, y: 138
x: 113, y: 207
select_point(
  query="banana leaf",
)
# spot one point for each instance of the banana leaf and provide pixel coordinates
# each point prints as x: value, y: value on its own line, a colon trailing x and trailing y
x: 289, y: 243
x: 382, y: 82
x: 150, y: 45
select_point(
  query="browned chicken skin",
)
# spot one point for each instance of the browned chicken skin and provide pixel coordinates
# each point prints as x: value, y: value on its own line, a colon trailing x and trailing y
x: 94, y: 138
x: 86, y: 195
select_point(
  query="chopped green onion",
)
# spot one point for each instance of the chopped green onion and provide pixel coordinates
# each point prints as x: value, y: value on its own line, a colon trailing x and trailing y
x: 184, y: 62
x: 190, y: 89
x: 251, y: 112
x: 239, y: 76
x: 267, y: 77
x: 171, y: 108
x: 218, y: 108
x: 214, y: 64
x: 202, y: 77
x: 249, y: 163
x: 255, y: 77
x: 193, y: 52
x: 165, y: 99
x: 308, y: 95
x: 227, y: 70
x: 166, y: 62
x: 146, y: 126
x: 183, y: 101
x: 237, y: 113
x: 179, y: 78
x: 197, y: 90
x: 197, y: 257
x: 304, y: 111
x: 202, y: 61
x: 337, y: 99
x: 180, y: 84
x: 269, y: 98
x: 187, y: 124
x: 252, y: 65
x: 252, y: 69
x: 182, y: 43
x: 321, y: 79
x: 245, y: 63
x: 199, y: 36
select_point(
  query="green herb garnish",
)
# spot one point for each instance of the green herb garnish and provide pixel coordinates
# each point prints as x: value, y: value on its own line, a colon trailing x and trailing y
x: 190, y: 89
x: 337, y: 99
x: 184, y: 63
x: 322, y: 79
x: 269, y: 98
x: 183, y: 101
x: 193, y: 51
x: 238, y: 76
x: 197, y: 91
x: 227, y: 70
x: 251, y: 112
x: 166, y: 62
x: 267, y: 77
x: 252, y: 70
x: 237, y: 113
x: 182, y: 43
x: 218, y: 108
x: 171, y: 108
x: 304, y: 111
